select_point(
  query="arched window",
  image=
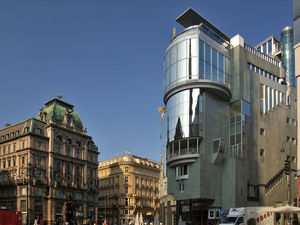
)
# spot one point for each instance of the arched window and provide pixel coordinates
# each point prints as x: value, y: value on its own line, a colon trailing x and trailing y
x: 58, y: 138
x: 78, y: 143
x: 68, y: 141
x: 90, y: 145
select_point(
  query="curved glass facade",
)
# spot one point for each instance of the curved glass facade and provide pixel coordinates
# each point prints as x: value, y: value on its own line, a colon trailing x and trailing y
x: 194, y: 59
x: 184, y: 116
x: 288, y: 59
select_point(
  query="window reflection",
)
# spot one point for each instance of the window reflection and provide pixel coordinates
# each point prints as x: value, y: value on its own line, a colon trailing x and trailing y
x: 184, y: 114
x: 194, y: 59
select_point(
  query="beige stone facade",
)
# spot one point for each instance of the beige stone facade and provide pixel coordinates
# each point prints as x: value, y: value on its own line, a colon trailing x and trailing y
x: 48, y: 167
x: 167, y: 202
x: 128, y: 185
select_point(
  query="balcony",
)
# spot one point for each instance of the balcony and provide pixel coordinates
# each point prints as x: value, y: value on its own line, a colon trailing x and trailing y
x: 183, y: 151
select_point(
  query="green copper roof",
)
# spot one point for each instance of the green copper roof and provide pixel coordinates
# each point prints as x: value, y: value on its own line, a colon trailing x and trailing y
x: 56, y: 108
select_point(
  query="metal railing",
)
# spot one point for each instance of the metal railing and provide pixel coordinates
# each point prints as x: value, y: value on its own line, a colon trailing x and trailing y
x: 261, y: 55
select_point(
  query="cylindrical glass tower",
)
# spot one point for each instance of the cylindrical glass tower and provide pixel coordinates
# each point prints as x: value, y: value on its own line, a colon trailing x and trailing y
x: 288, y: 55
x: 196, y: 60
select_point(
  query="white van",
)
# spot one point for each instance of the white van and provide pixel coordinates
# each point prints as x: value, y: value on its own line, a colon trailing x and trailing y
x: 243, y: 216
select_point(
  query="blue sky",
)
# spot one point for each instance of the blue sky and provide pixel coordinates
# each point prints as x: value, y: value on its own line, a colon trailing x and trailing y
x: 106, y: 58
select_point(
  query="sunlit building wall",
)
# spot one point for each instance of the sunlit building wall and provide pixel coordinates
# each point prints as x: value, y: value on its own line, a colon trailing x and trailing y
x: 128, y: 185
x: 229, y: 116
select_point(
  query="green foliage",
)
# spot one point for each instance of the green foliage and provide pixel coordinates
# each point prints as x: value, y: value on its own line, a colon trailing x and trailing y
x: 251, y: 221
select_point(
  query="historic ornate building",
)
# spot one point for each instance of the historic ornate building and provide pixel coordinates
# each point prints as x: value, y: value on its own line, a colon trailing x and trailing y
x: 128, y: 185
x: 48, y: 166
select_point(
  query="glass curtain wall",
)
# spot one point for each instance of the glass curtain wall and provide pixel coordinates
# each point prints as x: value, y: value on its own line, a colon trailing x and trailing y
x: 288, y: 59
x: 194, y: 59
x: 184, y: 115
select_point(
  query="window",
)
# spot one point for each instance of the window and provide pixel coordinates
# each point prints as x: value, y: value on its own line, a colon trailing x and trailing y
x: 126, y: 169
x: 8, y: 149
x: 262, y: 131
x: 288, y: 139
x: 58, y: 149
x: 8, y: 163
x: 126, y: 190
x: 38, y: 131
x: 262, y: 152
x: 23, y: 191
x: 58, y: 138
x: 126, y: 201
x: 253, y: 193
x: 68, y: 151
x: 4, y: 150
x: 77, y: 153
x: 14, y: 148
x: 126, y: 179
x: 293, y: 140
x: 37, y: 191
x: 293, y: 122
x: 181, y: 187
x: 288, y: 120
x: 17, y: 133
x: 23, y: 204
x: 269, y: 46
x: 38, y: 161
x: 182, y: 170
x: 23, y: 160
x: 23, y: 144
x: 68, y: 169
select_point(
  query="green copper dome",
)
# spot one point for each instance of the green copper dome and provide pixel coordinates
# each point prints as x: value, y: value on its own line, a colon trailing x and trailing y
x: 57, y: 109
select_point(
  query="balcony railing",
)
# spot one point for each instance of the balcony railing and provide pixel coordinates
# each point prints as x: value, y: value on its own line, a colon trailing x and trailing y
x: 261, y: 55
x: 183, y: 150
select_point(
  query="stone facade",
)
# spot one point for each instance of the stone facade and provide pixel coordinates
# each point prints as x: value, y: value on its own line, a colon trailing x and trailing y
x: 167, y: 202
x: 49, y: 167
x: 128, y: 185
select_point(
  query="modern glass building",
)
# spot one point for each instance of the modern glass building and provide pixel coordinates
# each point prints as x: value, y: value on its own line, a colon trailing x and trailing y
x: 288, y: 54
x: 225, y: 102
